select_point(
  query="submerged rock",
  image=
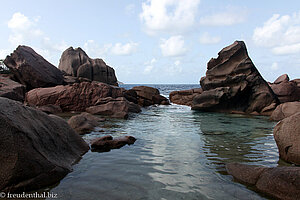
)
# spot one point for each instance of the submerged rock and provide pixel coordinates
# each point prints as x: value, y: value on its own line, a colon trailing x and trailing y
x: 11, y: 89
x: 106, y: 143
x: 76, y: 97
x: 287, y: 137
x: 36, y: 150
x: 148, y: 96
x: 84, y: 123
x: 184, y: 97
x: 32, y: 70
x: 116, y: 108
x: 278, y: 182
x: 75, y: 62
x: 233, y: 84
x: 285, y: 110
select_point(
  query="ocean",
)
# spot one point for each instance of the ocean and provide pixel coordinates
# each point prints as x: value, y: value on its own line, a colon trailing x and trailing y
x: 179, y: 154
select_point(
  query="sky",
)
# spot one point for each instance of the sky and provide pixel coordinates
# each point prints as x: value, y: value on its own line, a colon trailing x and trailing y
x: 157, y: 41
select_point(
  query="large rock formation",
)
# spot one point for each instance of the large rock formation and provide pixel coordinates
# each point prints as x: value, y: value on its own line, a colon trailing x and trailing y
x: 75, y: 62
x: 287, y: 137
x: 233, y: 84
x: 76, y: 97
x: 36, y: 150
x: 11, y: 89
x: 184, y: 97
x: 285, y: 110
x: 116, y: 108
x: 277, y: 182
x: 147, y: 96
x: 286, y: 90
x: 32, y: 70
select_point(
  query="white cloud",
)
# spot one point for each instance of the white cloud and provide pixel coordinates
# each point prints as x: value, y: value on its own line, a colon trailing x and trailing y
x: 205, y: 38
x: 93, y: 49
x: 230, y: 16
x: 124, y: 49
x: 280, y: 33
x: 25, y: 31
x: 149, y: 66
x: 275, y: 66
x: 130, y: 9
x: 286, y: 49
x: 174, y: 46
x: 177, y: 62
x: 175, y: 16
x: 174, y: 69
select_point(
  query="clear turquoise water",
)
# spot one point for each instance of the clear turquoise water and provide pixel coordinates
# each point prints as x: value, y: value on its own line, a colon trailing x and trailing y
x: 179, y: 154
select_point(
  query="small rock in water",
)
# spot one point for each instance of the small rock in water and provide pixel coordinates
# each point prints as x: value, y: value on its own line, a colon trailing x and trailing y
x: 106, y: 143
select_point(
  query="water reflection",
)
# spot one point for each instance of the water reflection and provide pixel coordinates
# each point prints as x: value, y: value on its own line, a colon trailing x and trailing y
x: 236, y: 138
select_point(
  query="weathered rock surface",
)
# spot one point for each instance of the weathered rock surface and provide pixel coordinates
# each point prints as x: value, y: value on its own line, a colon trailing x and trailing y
x: 278, y: 182
x: 184, y: 97
x: 106, y: 143
x: 69, y: 80
x: 36, y: 150
x: 286, y: 90
x: 114, y: 107
x: 11, y: 89
x: 233, y: 84
x: 282, y: 78
x: 84, y: 123
x: 76, y: 97
x: 32, y: 70
x: 285, y: 110
x: 50, y: 109
x: 75, y: 62
x: 287, y: 137
x: 148, y: 96
x: 131, y: 96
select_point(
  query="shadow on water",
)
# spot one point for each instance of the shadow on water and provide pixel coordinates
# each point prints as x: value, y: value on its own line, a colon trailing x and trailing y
x: 236, y: 138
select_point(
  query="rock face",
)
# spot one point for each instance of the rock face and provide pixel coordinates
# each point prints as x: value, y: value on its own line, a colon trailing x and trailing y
x: 11, y: 89
x: 232, y: 83
x: 287, y: 137
x: 148, y: 96
x: 286, y: 90
x: 116, y: 108
x: 32, y: 70
x: 76, y: 97
x: 84, y: 123
x: 36, y: 150
x: 75, y: 62
x: 106, y: 143
x: 278, y: 182
x: 184, y: 97
x: 285, y: 110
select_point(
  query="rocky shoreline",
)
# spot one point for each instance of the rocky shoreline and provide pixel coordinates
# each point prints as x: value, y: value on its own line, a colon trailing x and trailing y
x: 39, y: 148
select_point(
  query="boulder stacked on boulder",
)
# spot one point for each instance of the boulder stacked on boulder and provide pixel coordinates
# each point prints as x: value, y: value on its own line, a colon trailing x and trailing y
x: 285, y: 89
x: 285, y: 110
x: 11, y: 89
x: 36, y: 150
x: 75, y: 62
x: 32, y: 70
x: 278, y: 182
x: 233, y: 84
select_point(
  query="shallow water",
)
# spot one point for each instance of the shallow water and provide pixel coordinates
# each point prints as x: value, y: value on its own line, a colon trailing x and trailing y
x: 179, y: 154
